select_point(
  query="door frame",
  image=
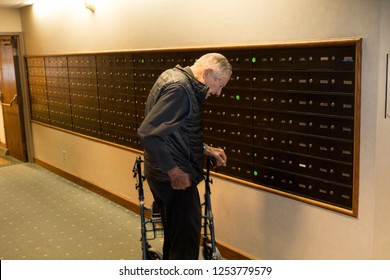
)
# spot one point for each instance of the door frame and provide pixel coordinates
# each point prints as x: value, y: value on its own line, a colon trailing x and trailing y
x: 22, y: 78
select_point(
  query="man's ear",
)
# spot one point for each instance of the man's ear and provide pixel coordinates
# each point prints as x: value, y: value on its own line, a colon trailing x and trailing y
x: 207, y: 72
x: 203, y: 74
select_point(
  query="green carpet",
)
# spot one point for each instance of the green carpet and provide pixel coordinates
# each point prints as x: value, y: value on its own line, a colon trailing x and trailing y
x: 43, y: 216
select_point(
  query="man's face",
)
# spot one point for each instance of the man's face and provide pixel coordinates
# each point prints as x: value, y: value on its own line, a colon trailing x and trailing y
x: 215, y: 82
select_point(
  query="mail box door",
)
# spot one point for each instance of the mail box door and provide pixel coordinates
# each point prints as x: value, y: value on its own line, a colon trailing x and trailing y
x: 298, y: 81
x: 263, y: 59
x: 319, y: 147
x: 233, y: 97
x: 299, y: 123
x: 342, y: 105
x: 260, y: 80
x: 261, y: 137
x: 298, y: 102
x: 240, y: 79
x: 245, y: 153
x: 262, y: 156
x: 278, y: 100
x: 341, y: 150
x: 298, y: 143
x: 319, y: 81
x: 239, y: 59
x: 260, y: 119
x: 343, y: 82
x: 340, y: 195
x: 262, y: 175
x: 244, y: 133
x: 319, y: 103
x: 279, y: 121
x: 343, y: 58
x: 342, y: 128
x: 261, y: 99
x: 295, y: 58
x: 320, y: 126
x: 319, y: 58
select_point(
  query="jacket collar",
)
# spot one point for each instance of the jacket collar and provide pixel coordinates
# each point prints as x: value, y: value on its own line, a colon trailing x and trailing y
x: 199, y: 88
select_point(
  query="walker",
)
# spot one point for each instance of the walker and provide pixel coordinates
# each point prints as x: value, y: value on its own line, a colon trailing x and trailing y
x: 151, y: 228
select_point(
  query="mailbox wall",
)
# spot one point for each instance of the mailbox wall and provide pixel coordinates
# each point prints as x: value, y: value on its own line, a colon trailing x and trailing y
x: 286, y: 119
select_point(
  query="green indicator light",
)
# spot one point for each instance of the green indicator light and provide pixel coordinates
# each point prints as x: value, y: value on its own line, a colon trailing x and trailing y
x: 255, y: 173
x: 253, y: 59
x: 238, y: 97
x: 142, y: 61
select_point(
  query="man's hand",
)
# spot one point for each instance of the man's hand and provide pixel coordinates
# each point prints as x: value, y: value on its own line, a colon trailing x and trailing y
x: 179, y: 179
x: 217, y: 153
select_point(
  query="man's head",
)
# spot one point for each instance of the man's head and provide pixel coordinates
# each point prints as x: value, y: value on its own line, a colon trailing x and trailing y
x: 213, y: 70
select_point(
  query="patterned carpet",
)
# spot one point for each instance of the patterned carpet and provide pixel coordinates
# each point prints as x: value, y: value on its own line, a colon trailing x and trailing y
x: 6, y: 160
x: 43, y: 216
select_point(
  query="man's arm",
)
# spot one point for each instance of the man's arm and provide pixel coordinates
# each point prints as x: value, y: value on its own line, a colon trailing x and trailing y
x: 167, y: 115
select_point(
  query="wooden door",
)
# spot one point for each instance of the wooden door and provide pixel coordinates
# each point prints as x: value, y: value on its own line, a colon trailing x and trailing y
x: 9, y: 98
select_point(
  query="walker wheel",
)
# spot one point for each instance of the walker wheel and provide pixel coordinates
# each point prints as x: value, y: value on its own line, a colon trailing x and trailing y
x: 207, y: 251
x: 154, y: 254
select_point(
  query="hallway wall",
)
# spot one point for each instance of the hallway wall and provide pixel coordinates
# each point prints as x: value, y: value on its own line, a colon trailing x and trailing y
x: 382, y: 187
x: 10, y: 20
x: 264, y: 225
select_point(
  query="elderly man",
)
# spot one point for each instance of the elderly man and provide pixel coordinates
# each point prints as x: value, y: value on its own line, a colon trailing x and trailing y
x: 172, y: 137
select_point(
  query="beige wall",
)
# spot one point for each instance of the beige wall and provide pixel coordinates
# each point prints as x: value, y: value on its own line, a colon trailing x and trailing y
x: 10, y: 21
x: 259, y: 223
x: 382, y: 186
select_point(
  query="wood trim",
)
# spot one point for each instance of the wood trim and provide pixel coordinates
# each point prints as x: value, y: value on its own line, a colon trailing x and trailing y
x: 357, y: 121
x: 348, y: 41
x: 228, y: 252
x: 90, y: 186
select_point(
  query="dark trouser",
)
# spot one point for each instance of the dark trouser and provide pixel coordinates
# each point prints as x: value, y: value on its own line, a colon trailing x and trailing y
x: 181, y: 216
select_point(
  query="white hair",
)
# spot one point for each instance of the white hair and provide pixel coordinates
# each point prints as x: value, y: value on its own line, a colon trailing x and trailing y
x: 215, y: 61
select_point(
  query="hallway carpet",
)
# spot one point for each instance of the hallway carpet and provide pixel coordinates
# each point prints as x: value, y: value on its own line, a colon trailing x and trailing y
x: 44, y: 216
x: 6, y: 160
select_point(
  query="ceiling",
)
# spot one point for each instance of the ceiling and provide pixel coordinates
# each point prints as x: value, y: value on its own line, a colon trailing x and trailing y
x: 14, y: 3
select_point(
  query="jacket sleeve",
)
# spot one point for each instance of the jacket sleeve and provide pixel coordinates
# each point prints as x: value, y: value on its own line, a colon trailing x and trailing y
x: 166, y: 116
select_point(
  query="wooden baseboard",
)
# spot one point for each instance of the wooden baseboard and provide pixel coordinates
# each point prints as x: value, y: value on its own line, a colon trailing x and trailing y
x: 230, y: 253
x: 227, y: 252
x: 90, y: 186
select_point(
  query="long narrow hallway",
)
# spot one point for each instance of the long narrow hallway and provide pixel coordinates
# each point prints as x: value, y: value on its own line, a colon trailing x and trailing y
x: 44, y: 216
